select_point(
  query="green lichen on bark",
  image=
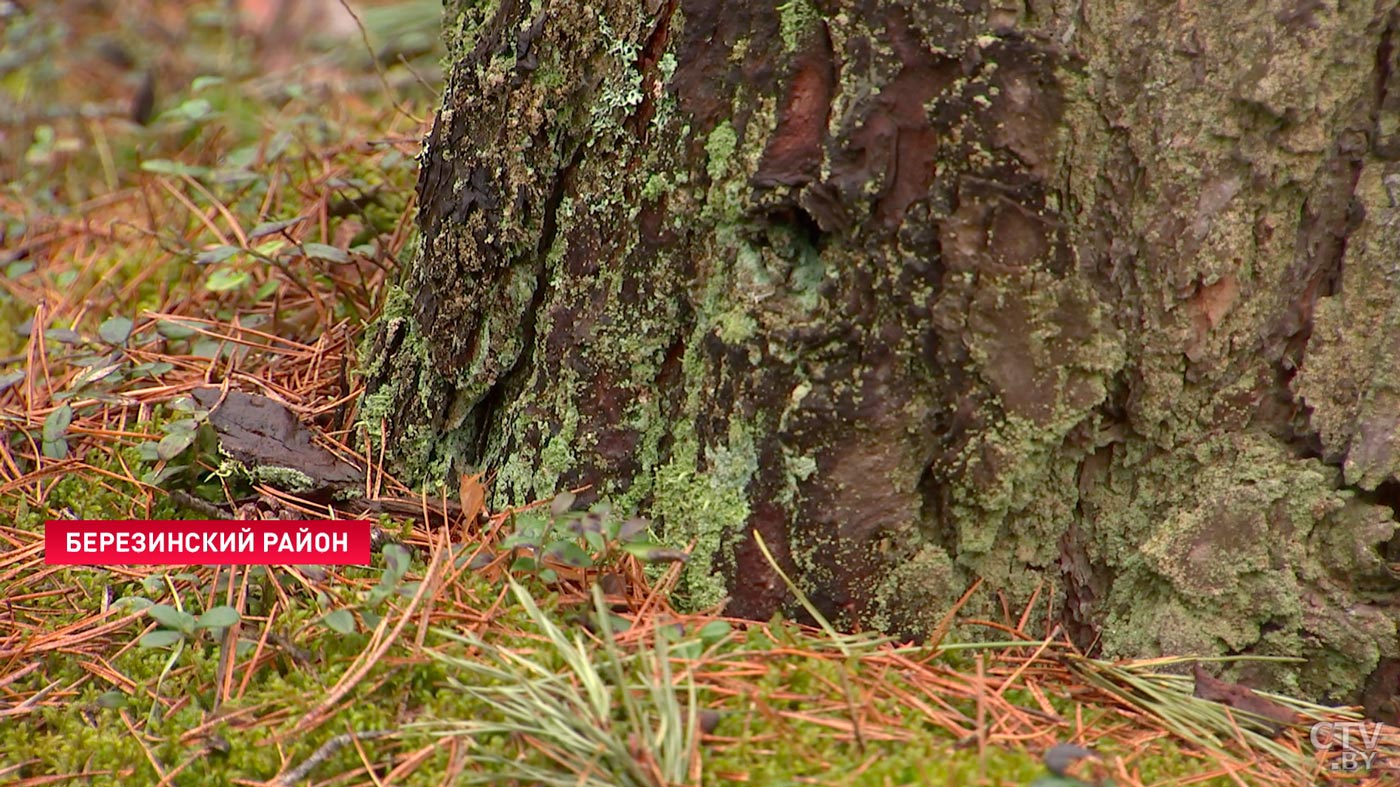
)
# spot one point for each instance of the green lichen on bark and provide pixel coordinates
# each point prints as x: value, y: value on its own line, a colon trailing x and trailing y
x: 925, y: 295
x: 1233, y: 544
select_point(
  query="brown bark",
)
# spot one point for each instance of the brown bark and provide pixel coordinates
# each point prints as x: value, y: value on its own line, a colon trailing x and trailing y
x: 1094, y: 300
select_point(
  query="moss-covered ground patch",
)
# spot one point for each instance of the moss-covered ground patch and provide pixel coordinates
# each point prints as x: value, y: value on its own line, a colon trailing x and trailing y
x: 174, y: 214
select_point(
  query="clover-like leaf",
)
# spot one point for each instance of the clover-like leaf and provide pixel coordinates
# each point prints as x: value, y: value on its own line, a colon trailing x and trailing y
x: 396, y: 561
x: 133, y: 603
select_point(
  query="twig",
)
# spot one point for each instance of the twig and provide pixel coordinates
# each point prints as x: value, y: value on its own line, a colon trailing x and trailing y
x: 327, y: 749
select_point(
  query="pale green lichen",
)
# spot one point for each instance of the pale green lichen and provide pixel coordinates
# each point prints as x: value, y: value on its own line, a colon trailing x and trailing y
x: 796, y: 20
x: 1224, y: 546
x: 708, y: 507
x: 736, y: 326
x: 719, y: 148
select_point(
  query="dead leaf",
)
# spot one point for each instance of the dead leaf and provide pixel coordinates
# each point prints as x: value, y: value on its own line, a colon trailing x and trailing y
x: 473, y: 496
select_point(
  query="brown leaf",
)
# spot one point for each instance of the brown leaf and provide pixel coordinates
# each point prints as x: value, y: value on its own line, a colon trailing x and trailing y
x: 473, y: 496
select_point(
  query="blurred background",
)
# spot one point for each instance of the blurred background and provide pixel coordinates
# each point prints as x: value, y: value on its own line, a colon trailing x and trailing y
x: 102, y: 77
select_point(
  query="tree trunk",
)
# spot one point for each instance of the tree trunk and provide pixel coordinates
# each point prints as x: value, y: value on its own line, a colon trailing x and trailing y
x: 1097, y: 301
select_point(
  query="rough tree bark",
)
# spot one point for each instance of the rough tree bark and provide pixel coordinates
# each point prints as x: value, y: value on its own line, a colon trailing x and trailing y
x: 1098, y: 301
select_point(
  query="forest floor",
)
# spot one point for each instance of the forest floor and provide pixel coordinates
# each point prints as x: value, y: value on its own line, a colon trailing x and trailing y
x: 185, y: 206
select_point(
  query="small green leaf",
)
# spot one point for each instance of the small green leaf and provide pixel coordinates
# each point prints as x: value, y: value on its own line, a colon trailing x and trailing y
x: 562, y: 503
x: 181, y: 425
x: 171, y: 617
x: 201, y: 82
x: 94, y: 374
x: 152, y: 369
x: 549, y: 575
x: 241, y: 158
x: 274, y: 227
x: 215, y: 255
x: 162, y: 166
x: 184, y: 404
x: 195, y: 109
x: 111, y: 699
x: 396, y: 560
x: 176, y: 329
x: 133, y: 603
x: 480, y: 560
x: 652, y: 553
x: 160, y: 638
x: 340, y: 621
x: 56, y: 449
x: 321, y: 251
x: 10, y: 378
x: 57, y: 423
x: 63, y: 335
x: 225, y: 279
x: 595, y: 541
x: 115, y: 330
x: 174, y: 444
x: 633, y: 529
x: 570, y: 554
x: 92, y: 361
x: 149, y: 451
x: 714, y: 631
x: 218, y: 618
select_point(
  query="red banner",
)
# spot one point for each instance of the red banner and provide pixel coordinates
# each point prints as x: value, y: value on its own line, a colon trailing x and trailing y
x: 217, y: 542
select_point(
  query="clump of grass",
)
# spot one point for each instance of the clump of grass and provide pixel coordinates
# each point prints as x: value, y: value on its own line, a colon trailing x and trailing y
x: 606, y: 718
